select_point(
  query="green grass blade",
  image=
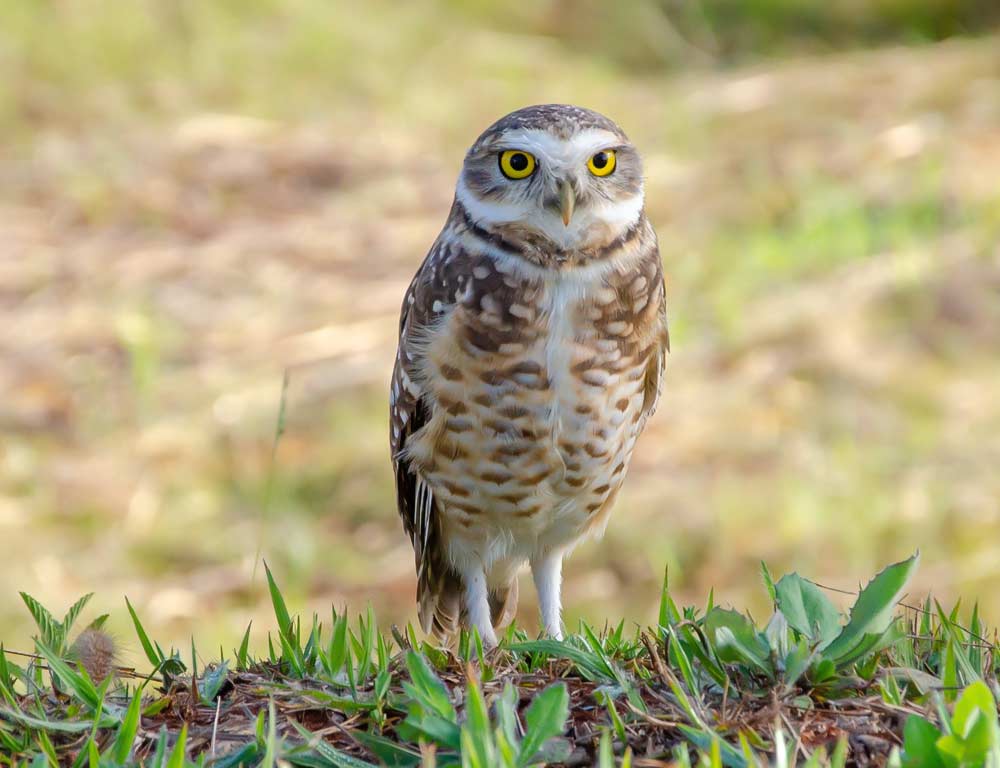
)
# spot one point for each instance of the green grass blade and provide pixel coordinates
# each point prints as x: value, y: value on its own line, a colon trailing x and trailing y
x: 242, y: 655
x: 147, y: 646
x: 280, y: 609
x: 61, y: 726
x: 48, y: 749
x: 121, y: 747
x: 476, y: 733
x: 81, y: 685
x: 177, y: 755
x: 589, y: 664
x: 605, y: 751
x: 337, y: 652
x: 330, y: 754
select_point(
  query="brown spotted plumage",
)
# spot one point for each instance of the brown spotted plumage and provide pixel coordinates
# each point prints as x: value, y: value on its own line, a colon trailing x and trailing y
x: 531, y: 352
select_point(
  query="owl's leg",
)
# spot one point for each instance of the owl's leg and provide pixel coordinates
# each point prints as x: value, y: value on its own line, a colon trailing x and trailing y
x: 546, y: 569
x: 477, y: 604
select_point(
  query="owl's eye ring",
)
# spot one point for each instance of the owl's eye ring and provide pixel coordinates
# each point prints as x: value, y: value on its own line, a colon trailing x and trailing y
x: 603, y: 163
x: 517, y: 164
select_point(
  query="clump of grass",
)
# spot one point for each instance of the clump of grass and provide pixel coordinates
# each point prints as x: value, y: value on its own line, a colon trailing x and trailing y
x: 889, y: 684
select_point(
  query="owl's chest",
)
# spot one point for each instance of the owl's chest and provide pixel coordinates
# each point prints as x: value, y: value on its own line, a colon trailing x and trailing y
x: 539, y: 399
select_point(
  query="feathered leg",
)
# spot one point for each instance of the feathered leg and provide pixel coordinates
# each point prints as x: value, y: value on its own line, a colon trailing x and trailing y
x: 546, y: 570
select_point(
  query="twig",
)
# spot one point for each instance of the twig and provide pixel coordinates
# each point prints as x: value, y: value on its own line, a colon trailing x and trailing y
x: 215, y: 725
x: 279, y: 430
x: 918, y: 609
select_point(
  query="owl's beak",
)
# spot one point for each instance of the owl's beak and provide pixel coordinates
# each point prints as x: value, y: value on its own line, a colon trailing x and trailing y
x: 567, y: 201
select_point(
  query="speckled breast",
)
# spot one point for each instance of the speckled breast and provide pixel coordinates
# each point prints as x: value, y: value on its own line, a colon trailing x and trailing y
x: 541, y: 387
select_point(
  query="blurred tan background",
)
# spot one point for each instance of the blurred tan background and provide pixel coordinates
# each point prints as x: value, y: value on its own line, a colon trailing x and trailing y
x: 196, y: 196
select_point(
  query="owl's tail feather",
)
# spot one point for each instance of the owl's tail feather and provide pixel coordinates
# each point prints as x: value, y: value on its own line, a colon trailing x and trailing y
x: 439, y: 599
x: 440, y: 604
x: 503, y: 604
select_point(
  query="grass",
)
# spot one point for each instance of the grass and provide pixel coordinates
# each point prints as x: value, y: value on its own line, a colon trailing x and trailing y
x: 202, y: 194
x: 889, y: 683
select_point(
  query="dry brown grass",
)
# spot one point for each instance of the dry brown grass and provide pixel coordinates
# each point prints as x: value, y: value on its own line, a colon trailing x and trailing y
x: 829, y: 229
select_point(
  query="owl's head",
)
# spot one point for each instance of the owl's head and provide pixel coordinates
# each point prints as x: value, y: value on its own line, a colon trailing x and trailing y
x: 556, y: 173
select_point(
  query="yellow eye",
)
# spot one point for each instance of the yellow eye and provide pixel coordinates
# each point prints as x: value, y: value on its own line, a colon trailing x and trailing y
x: 517, y: 164
x: 603, y: 163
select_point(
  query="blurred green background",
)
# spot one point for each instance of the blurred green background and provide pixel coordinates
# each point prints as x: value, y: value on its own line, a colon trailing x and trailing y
x: 196, y: 196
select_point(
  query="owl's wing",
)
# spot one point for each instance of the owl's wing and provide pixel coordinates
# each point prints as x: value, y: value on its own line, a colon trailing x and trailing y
x: 653, y: 381
x: 438, y: 587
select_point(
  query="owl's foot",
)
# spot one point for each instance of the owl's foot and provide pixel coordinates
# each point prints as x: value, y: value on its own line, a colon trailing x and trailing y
x: 477, y: 606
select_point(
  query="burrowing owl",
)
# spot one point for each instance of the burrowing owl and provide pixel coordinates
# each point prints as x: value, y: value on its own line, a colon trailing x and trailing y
x: 531, y: 350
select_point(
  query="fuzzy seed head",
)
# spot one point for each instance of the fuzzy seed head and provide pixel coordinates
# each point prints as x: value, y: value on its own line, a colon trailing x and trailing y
x: 96, y: 652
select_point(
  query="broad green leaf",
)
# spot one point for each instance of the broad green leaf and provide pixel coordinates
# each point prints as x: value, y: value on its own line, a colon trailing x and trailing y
x: 428, y: 688
x: 822, y: 670
x: 736, y: 640
x: 870, y: 644
x: 807, y: 609
x: 505, y: 713
x: 797, y: 662
x: 52, y: 634
x: 74, y: 612
x: 212, y: 682
x: 976, y: 698
x: 544, y: 719
x: 978, y: 735
x: 873, y: 611
x: 420, y: 724
x: 920, y: 744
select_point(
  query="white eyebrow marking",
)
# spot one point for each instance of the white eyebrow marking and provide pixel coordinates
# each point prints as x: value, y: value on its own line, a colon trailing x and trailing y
x: 556, y: 152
